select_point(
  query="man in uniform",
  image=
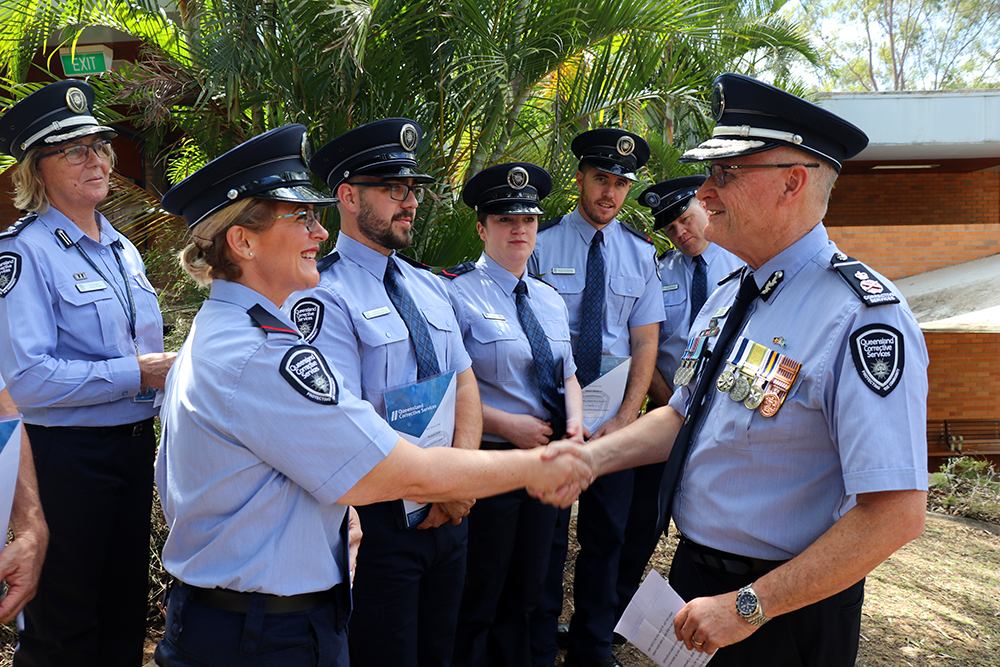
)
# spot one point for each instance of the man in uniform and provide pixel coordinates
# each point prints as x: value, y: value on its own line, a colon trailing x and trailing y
x: 605, y: 271
x: 388, y: 322
x: 797, y: 455
x: 689, y: 272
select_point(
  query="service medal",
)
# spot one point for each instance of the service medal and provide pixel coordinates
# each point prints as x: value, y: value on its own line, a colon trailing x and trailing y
x: 726, y: 379
x: 740, y: 389
x: 770, y: 404
x: 754, y: 398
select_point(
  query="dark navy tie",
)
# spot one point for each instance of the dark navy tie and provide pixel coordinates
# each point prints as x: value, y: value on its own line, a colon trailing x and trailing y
x: 699, y: 288
x: 423, y: 346
x: 678, y: 454
x: 588, y: 347
x: 545, y: 365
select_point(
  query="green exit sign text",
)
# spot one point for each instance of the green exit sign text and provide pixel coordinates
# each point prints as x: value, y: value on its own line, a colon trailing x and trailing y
x: 85, y: 60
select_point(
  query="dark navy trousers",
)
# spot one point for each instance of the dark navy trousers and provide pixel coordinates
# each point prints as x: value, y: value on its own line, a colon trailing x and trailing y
x: 642, y: 532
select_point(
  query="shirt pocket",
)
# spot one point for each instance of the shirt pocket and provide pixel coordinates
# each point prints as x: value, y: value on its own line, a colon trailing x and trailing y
x: 95, y: 319
x: 493, y: 347
x: 567, y: 283
x: 674, y: 306
x: 385, y: 344
x: 623, y: 292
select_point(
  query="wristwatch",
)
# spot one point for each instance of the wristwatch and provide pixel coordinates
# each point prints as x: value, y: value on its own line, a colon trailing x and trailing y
x: 748, y: 607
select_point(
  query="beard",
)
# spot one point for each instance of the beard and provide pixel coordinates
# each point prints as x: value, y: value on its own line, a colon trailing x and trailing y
x: 595, y: 214
x: 380, y: 232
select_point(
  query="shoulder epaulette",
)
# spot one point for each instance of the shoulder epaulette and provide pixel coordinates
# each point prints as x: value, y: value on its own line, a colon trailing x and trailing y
x: 413, y: 262
x: 544, y: 283
x: 457, y: 270
x: 18, y: 226
x: 636, y: 232
x: 666, y: 252
x: 268, y: 322
x: 868, y: 288
x: 549, y: 223
x: 328, y: 261
x: 541, y: 279
x: 733, y: 274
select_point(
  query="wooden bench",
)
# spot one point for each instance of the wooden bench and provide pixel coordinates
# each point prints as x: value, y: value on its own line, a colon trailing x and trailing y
x: 963, y: 437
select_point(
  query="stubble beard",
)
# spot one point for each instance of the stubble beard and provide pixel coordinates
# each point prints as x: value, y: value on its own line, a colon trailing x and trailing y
x: 376, y: 230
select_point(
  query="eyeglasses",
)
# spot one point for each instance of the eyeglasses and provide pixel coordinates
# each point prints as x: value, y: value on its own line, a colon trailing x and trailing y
x: 718, y: 171
x: 398, y: 191
x: 78, y: 154
x: 309, y: 214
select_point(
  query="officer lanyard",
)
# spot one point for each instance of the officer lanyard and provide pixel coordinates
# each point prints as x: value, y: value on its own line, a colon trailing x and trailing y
x: 130, y: 307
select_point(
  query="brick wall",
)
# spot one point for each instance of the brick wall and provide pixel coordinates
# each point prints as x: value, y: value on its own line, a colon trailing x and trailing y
x: 904, y: 223
x: 963, y: 378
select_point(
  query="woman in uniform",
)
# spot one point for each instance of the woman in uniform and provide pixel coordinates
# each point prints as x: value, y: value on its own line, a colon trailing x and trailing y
x: 81, y: 350
x: 263, y: 449
x: 516, y: 330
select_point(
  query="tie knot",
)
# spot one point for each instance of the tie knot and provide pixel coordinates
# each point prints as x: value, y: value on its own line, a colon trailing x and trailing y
x: 390, y: 269
x: 698, y: 260
x: 520, y: 288
x: 598, y: 237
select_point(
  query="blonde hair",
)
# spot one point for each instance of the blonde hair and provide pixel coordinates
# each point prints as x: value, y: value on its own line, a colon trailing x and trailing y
x: 29, y: 188
x: 206, y: 257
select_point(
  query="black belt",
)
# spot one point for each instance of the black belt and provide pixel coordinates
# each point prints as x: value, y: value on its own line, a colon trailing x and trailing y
x: 239, y: 603
x: 133, y: 430
x: 731, y: 563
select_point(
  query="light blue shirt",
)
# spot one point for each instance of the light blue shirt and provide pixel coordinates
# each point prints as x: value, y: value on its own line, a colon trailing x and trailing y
x: 632, y: 297
x: 676, y: 273
x: 769, y: 487
x: 66, y: 349
x: 360, y: 330
x: 484, y: 301
x: 247, y: 470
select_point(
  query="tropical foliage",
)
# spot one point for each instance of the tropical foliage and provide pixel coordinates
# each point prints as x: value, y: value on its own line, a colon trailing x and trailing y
x: 488, y: 80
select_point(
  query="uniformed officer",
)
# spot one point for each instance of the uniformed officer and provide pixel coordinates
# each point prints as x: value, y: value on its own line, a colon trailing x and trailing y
x: 798, y: 453
x: 264, y: 446
x: 605, y: 271
x: 689, y: 272
x: 21, y: 560
x: 388, y: 322
x: 81, y: 350
x: 516, y: 330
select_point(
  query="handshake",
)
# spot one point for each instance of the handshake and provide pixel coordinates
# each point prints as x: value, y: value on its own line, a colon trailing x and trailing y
x: 565, y: 469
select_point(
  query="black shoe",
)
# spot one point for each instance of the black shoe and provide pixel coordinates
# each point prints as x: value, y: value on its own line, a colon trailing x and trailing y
x: 618, y: 640
x: 609, y: 661
x: 562, y: 635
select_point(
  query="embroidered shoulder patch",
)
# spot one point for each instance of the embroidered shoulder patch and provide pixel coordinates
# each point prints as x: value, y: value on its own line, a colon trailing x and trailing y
x: 305, y: 369
x: 868, y: 288
x: 10, y: 271
x: 307, y: 315
x: 878, y: 355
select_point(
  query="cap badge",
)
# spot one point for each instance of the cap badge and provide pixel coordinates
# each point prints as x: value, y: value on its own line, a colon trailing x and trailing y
x: 408, y: 137
x: 306, y: 148
x: 233, y: 194
x: 517, y: 178
x: 626, y: 145
x: 652, y: 199
x: 718, y: 101
x: 76, y: 100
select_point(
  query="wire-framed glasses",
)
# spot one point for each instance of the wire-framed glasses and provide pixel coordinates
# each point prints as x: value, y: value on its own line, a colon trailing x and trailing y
x: 398, y: 191
x: 718, y: 171
x: 78, y: 154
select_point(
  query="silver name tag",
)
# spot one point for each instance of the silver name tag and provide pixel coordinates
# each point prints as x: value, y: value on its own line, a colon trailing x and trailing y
x: 495, y: 316
x: 376, y: 312
x: 721, y: 312
x: 569, y: 271
x: 670, y: 288
x: 92, y: 286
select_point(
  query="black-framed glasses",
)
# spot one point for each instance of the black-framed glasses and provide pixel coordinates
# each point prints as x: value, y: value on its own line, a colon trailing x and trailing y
x: 398, y: 191
x: 718, y: 171
x: 78, y: 154
x: 312, y: 219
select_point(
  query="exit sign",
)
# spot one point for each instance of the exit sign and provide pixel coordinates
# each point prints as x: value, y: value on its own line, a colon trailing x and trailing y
x: 86, y: 60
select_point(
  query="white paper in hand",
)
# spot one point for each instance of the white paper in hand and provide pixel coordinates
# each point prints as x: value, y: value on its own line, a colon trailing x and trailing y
x: 648, y: 622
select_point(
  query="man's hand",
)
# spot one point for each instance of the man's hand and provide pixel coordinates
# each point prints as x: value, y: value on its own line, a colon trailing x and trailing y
x: 354, y: 535
x: 20, y: 567
x: 526, y: 431
x: 707, y: 624
x: 450, y: 512
x: 619, y: 421
x: 571, y: 466
x: 153, y: 368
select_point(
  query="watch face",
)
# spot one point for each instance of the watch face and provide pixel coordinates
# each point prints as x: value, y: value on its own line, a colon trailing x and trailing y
x: 746, y: 603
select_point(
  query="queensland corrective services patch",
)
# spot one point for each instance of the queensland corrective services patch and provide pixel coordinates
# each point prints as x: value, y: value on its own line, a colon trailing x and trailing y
x: 877, y: 350
x: 307, y: 314
x: 10, y: 271
x: 304, y: 368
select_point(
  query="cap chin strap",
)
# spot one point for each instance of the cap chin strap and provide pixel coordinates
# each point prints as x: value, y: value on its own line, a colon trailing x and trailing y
x: 58, y: 125
x: 747, y: 131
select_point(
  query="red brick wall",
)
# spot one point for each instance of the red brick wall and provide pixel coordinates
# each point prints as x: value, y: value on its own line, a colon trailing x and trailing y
x: 963, y: 377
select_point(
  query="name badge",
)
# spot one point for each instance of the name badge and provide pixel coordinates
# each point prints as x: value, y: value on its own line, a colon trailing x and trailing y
x: 670, y: 288
x: 93, y: 286
x: 721, y: 312
x: 568, y: 271
x: 376, y: 312
x: 495, y: 316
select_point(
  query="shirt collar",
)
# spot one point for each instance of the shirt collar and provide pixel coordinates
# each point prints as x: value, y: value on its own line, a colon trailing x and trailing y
x: 54, y: 219
x: 504, y: 279
x: 367, y: 258
x: 791, y: 260
x: 245, y: 298
x: 587, y: 230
